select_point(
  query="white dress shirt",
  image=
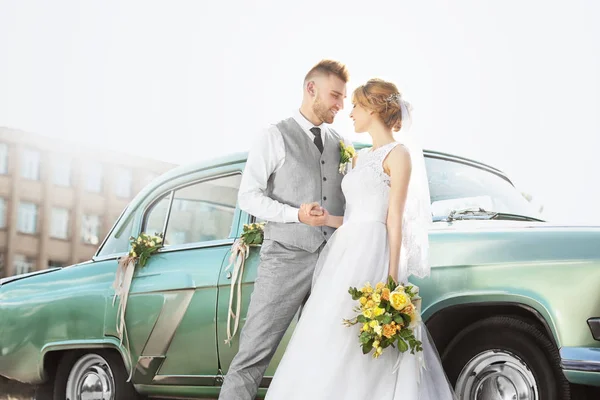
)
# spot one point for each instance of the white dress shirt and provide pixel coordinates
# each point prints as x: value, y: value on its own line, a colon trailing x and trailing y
x: 266, y: 156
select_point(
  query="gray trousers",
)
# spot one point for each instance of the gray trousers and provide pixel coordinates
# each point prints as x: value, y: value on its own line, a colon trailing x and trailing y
x: 282, y: 285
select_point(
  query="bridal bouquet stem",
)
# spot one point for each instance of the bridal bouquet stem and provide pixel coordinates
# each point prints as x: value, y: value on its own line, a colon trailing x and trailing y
x: 388, y: 313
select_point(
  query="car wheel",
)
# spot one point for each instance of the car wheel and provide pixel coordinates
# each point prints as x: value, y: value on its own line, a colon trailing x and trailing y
x: 96, y: 374
x: 504, y: 358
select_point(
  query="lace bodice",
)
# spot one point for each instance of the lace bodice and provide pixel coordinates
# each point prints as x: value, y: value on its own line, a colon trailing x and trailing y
x: 367, y: 186
x: 367, y: 191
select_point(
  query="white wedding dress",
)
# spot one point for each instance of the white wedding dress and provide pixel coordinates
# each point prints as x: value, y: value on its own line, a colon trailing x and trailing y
x: 323, y: 359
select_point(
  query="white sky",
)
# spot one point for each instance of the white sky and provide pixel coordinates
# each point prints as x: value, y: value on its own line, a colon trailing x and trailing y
x: 515, y: 84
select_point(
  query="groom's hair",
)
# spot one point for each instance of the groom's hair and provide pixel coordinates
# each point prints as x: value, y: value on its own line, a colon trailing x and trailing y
x: 327, y: 68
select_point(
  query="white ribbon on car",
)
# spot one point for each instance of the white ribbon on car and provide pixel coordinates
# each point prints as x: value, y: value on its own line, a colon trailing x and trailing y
x: 122, y: 285
x: 239, y: 253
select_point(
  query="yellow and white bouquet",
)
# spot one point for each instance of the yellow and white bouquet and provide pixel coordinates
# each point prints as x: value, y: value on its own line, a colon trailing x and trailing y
x: 388, y: 314
x: 347, y: 153
x: 143, y: 246
x: 253, y: 234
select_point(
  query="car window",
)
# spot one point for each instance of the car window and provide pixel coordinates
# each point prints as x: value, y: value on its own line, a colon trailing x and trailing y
x: 200, y: 212
x: 156, y: 215
x: 117, y: 241
x: 456, y: 185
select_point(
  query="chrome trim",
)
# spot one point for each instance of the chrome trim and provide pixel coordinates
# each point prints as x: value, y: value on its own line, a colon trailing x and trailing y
x: 155, y: 349
x: 186, y: 380
x: 197, y: 245
x: 586, y: 366
x: 580, y: 359
x: 198, y: 380
x: 166, y: 224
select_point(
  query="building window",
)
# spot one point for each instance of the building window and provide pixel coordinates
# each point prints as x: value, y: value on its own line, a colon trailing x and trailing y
x: 59, y: 224
x: 22, y: 264
x: 123, y: 181
x: 56, y: 264
x: 27, y: 218
x: 3, y: 158
x: 62, y: 172
x: 93, y: 177
x: 2, y: 213
x: 30, y: 165
x: 90, y: 229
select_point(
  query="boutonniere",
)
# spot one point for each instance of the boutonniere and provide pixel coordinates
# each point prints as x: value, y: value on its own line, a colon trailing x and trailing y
x: 347, y: 153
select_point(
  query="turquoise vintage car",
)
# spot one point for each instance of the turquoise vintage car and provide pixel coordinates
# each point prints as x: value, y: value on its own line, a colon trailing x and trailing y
x: 512, y: 303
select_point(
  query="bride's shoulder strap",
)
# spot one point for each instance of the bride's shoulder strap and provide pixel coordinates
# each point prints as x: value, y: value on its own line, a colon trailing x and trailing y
x: 387, y: 150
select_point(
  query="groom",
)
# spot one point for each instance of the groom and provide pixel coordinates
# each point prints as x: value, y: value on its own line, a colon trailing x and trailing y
x: 293, y: 162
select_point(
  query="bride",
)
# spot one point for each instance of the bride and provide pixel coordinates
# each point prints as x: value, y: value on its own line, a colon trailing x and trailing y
x: 384, y: 232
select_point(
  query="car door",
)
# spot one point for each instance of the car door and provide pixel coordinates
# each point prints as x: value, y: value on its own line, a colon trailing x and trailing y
x: 224, y: 303
x: 173, y: 299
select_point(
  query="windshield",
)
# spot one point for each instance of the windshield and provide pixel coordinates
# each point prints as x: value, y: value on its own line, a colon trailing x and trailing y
x: 454, y: 185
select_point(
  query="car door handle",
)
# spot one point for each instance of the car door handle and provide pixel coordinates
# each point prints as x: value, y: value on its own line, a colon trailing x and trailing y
x: 228, y: 275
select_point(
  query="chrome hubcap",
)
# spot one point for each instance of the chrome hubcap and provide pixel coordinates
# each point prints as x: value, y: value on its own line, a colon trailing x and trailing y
x: 90, y: 379
x: 496, y: 375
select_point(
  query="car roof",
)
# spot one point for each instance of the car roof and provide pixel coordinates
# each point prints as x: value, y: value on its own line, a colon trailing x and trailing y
x: 240, y: 157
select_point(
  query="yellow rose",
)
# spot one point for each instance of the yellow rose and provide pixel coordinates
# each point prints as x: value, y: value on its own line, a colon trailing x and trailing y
x: 409, y: 309
x: 379, y: 285
x: 133, y: 254
x: 376, y: 344
x: 366, y: 327
x: 139, y: 240
x: 369, y: 304
x: 378, y: 311
x: 385, y: 294
x: 399, y: 300
x: 373, y: 324
x: 368, y: 313
x: 367, y: 289
x: 389, y: 330
x: 158, y: 239
x: 376, y: 298
x: 378, y: 352
x: 363, y: 301
x: 378, y: 330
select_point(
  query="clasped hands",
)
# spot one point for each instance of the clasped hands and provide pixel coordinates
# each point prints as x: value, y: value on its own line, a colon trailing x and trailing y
x: 313, y: 214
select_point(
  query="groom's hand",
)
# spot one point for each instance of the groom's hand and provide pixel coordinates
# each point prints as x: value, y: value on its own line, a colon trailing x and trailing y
x: 312, y: 214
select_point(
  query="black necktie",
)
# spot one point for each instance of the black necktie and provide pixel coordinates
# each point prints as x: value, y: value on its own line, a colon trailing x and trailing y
x: 318, y: 141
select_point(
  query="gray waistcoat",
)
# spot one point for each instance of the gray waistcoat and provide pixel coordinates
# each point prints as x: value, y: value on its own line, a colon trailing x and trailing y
x: 306, y: 176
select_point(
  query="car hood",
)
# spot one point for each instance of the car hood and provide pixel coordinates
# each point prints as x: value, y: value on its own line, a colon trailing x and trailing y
x: 499, y: 225
x: 5, y: 281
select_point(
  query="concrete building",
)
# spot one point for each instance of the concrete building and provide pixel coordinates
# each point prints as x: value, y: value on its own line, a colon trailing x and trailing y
x: 59, y: 199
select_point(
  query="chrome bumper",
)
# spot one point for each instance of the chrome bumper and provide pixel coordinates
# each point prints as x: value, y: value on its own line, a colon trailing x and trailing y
x: 585, y: 359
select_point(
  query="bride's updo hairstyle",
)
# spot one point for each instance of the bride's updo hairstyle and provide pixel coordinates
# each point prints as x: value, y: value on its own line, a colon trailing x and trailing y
x: 383, y: 98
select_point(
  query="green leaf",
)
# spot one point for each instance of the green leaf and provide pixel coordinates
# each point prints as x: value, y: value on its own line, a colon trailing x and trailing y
x: 361, y: 318
x: 402, y: 346
x: 365, y: 337
x: 367, y: 347
x: 406, y: 318
x: 386, y: 319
